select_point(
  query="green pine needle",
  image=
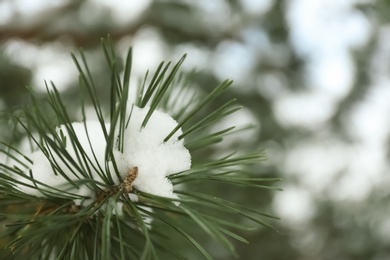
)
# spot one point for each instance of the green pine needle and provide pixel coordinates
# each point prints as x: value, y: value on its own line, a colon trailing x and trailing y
x: 54, y: 226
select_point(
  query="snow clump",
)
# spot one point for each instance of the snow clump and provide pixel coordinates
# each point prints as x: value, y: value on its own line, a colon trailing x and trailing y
x: 144, y: 148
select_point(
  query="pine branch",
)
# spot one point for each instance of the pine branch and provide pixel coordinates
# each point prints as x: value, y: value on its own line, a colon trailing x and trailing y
x: 122, y: 187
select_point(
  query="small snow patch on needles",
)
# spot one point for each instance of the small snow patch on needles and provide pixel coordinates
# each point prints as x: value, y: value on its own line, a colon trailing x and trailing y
x: 144, y: 148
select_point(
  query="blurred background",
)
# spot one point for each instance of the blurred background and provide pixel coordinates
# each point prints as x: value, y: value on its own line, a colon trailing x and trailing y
x: 314, y: 76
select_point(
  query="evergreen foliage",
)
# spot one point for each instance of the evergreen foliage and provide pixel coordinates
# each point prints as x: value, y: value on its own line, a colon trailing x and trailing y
x: 53, y: 226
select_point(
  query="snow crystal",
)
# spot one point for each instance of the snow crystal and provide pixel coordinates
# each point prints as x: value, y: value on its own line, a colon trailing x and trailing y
x: 43, y: 171
x: 144, y: 148
x: 96, y: 138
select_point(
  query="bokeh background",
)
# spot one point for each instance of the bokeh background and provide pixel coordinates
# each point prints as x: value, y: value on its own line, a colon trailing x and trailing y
x: 313, y: 75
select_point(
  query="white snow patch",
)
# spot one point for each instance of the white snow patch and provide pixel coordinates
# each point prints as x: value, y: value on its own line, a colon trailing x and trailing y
x: 144, y: 147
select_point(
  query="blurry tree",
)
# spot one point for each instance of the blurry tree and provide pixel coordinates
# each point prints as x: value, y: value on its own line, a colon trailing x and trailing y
x: 255, y: 45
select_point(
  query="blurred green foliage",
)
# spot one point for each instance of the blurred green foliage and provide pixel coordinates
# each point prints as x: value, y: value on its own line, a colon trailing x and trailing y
x: 336, y: 231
